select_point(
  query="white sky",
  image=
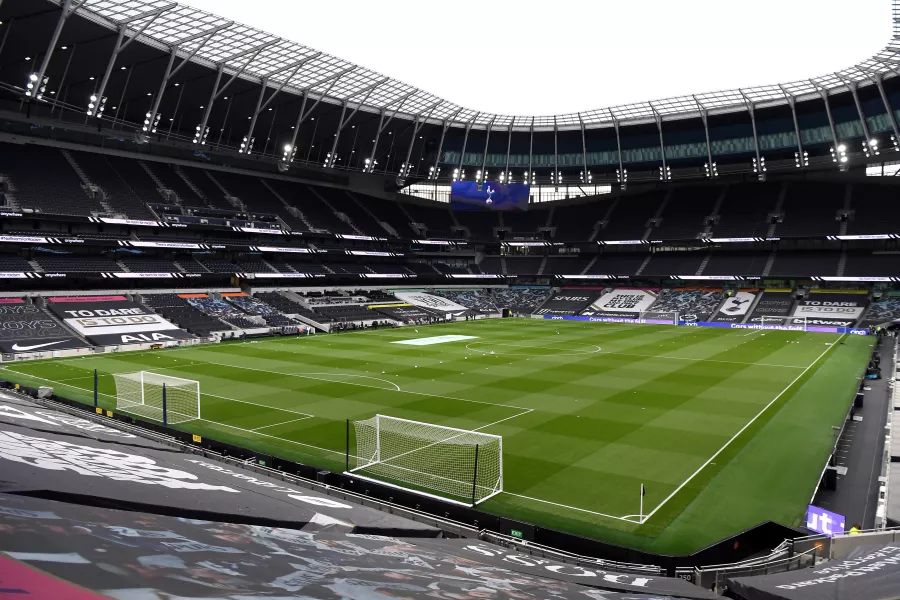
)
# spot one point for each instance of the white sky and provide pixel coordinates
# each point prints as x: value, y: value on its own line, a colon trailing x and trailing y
x: 528, y: 58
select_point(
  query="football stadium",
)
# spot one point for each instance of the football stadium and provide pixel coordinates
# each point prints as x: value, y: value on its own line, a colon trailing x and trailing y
x: 275, y: 325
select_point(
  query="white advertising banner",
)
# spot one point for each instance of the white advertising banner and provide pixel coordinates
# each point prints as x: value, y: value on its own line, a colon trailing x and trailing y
x: 428, y: 301
x: 624, y: 301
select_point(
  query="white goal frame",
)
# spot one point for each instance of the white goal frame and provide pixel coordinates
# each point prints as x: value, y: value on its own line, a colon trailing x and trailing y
x: 485, y: 480
x: 147, y: 399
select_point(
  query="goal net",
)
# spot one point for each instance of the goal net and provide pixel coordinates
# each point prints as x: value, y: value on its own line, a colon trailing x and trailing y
x: 457, y: 465
x: 158, y: 397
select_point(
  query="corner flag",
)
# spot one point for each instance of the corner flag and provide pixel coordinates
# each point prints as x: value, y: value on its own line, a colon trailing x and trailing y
x: 643, y: 493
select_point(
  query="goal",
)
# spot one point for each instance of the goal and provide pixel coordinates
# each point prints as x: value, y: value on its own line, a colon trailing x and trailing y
x: 456, y: 465
x: 158, y: 397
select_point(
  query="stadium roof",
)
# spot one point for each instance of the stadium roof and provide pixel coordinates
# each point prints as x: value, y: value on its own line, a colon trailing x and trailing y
x: 255, y: 55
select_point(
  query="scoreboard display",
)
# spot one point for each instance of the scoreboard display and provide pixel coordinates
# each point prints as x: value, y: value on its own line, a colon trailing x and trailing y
x: 488, y: 195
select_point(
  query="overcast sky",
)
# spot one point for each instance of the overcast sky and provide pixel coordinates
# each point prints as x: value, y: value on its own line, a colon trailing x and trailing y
x: 528, y: 58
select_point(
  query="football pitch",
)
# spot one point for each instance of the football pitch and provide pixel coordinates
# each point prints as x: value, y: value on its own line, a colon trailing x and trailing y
x: 724, y: 428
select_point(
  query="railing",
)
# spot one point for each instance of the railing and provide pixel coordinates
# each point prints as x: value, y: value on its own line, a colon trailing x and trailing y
x: 780, y: 560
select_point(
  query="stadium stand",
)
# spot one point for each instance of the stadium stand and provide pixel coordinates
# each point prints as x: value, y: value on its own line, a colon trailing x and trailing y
x: 577, y: 221
x: 525, y: 222
x: 79, y: 264
x: 794, y: 264
x: 24, y: 326
x: 522, y: 301
x: 117, y: 191
x: 10, y: 263
x: 674, y: 263
x: 138, y: 264
x: 490, y: 264
x: 480, y: 300
x: 178, y: 310
x: 739, y: 263
x: 615, y: 263
x: 630, y: 219
x: 170, y: 180
x: 565, y: 265
x: 874, y: 210
x: 872, y: 264
x: 438, y: 220
x: 690, y: 304
x: 683, y: 214
x: 811, y: 209
x: 480, y: 224
x: 745, y: 210
x: 523, y: 266
x: 54, y: 188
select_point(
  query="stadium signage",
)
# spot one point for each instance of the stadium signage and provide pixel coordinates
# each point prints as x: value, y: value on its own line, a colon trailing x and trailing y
x: 430, y: 301
x: 622, y: 242
x: 364, y: 238
x: 150, y: 337
x: 21, y: 239
x: 111, y: 322
x: 165, y: 245
x: 280, y: 249
x: 816, y: 329
x: 40, y: 344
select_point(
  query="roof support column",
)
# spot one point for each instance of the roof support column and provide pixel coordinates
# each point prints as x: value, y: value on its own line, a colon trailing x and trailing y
x: 462, y: 154
x: 62, y: 81
x: 151, y: 116
x: 664, y: 173
x: 435, y: 169
x: 801, y: 156
x: 529, y: 174
x: 859, y: 109
x: 587, y: 174
x: 622, y: 176
x: 291, y: 149
x: 555, y: 177
x: 37, y: 78
x: 506, y: 174
x: 331, y: 158
x: 891, y: 116
x: 417, y: 127
x: 370, y: 162
x: 120, y: 105
x: 247, y: 142
x: 487, y: 139
x: 121, y: 44
x: 834, y: 137
x: 759, y: 166
x: 177, y: 106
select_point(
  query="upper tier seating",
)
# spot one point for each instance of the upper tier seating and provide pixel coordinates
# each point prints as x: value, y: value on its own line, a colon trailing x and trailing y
x: 805, y: 263
x: 438, y: 219
x: 576, y: 222
x: 139, y: 264
x: 811, y: 209
x: 745, y: 210
x: 674, y: 263
x: 629, y: 218
x: 44, y: 181
x: 565, y: 265
x: 683, y: 215
x: 523, y: 266
x: 77, y: 264
x: 481, y: 223
x: 525, y: 222
x: 740, y: 263
x: 876, y: 210
x: 119, y: 193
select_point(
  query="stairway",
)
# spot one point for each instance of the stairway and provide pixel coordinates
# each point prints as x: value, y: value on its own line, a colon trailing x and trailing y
x: 543, y: 265
x: 703, y: 264
x: 643, y: 265
x: 390, y: 230
x: 293, y: 210
x: 782, y: 194
x: 715, y: 211
x: 37, y: 267
x: 503, y: 265
x: 842, y: 264
x: 123, y: 266
x: 343, y: 217
x: 589, y: 265
x: 183, y: 176
x: 409, y: 218
x: 550, y: 216
x: 232, y: 200
x: 166, y: 193
x: 75, y: 167
x: 769, y: 262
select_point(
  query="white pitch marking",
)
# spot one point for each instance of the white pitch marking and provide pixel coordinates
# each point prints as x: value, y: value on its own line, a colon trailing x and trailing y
x: 255, y: 429
x: 735, y: 436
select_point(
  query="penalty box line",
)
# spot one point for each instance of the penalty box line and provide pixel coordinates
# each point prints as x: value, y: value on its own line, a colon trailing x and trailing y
x: 742, y: 429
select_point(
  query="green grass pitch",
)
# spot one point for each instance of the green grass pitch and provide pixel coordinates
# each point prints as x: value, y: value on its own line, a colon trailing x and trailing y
x: 725, y: 428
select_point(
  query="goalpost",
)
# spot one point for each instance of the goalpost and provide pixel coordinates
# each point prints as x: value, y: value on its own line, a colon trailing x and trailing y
x: 456, y: 465
x: 158, y: 397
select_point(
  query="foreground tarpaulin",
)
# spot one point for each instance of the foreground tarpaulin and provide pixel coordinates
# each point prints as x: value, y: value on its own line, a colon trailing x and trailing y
x: 131, y: 556
x: 868, y: 573
x: 55, y: 455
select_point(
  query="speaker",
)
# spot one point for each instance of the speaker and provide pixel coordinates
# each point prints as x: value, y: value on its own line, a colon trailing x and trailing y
x: 831, y: 478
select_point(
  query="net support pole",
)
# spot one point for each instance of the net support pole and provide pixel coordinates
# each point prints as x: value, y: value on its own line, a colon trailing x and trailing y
x: 475, y: 476
x: 95, y: 389
x: 165, y: 411
x: 347, y: 469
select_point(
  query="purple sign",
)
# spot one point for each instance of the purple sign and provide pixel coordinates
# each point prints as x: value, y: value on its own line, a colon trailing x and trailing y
x: 824, y: 521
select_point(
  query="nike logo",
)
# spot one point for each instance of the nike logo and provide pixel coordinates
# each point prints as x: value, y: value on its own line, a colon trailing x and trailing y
x: 18, y: 348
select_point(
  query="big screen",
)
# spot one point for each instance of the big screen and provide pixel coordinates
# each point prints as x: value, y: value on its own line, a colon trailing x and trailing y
x: 489, y: 195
